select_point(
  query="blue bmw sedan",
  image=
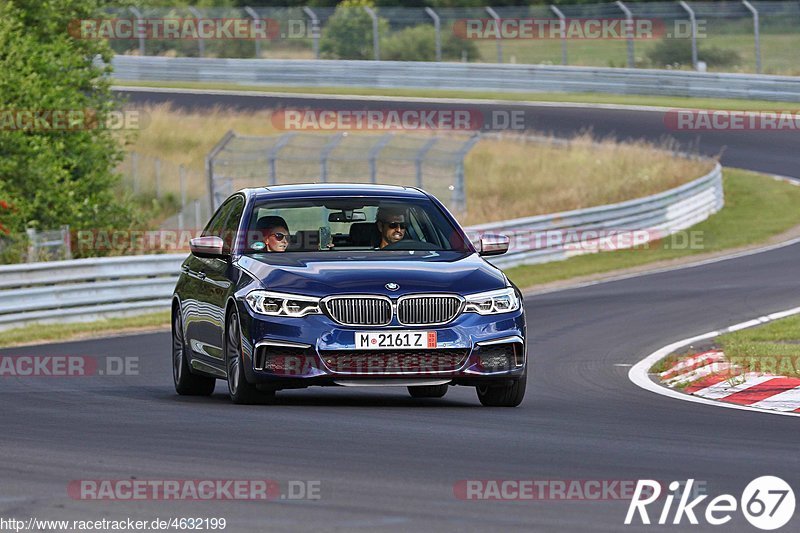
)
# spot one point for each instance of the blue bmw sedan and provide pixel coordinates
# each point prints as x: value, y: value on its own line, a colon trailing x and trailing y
x: 349, y: 285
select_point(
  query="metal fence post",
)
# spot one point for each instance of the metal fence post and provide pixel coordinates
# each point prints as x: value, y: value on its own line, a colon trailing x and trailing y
x: 314, y: 29
x: 628, y: 32
x: 138, y: 15
x: 376, y: 46
x: 210, y: 167
x: 693, y: 21
x: 250, y: 11
x: 499, y: 40
x: 272, y: 155
x: 67, y: 240
x: 437, y: 25
x: 157, y: 165
x: 563, y: 21
x: 201, y: 45
x: 420, y: 157
x: 135, y: 171
x: 756, y: 33
x: 459, y: 193
x: 182, y: 177
x: 373, y: 156
x: 197, y: 222
x: 33, y: 248
x: 325, y: 152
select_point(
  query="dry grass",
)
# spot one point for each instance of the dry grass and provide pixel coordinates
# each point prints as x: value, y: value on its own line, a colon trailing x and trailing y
x: 511, y: 178
x: 506, y: 178
x: 185, y: 138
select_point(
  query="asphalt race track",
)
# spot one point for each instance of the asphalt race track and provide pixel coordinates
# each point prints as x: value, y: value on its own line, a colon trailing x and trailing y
x: 765, y: 151
x: 386, y: 462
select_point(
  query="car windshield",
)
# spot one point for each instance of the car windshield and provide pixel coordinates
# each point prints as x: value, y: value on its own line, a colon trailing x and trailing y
x: 364, y: 224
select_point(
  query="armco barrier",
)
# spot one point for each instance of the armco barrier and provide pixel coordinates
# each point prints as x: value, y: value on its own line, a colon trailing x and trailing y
x: 660, y: 214
x: 85, y: 289
x: 456, y: 76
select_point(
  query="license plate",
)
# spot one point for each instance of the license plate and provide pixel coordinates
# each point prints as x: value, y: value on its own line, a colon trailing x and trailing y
x: 423, y: 340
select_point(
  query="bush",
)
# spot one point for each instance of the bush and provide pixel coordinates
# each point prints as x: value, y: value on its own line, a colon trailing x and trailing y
x: 348, y: 33
x: 54, y: 176
x: 678, y: 53
x: 418, y: 43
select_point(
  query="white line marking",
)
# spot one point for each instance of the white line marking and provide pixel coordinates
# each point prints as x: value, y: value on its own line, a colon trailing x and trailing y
x: 708, y: 357
x: 704, y: 262
x: 783, y: 401
x: 732, y: 386
x: 700, y: 372
x: 638, y: 373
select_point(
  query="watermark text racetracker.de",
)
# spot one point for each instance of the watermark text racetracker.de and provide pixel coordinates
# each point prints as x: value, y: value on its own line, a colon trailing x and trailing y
x: 221, y: 29
x: 400, y: 119
x: 570, y: 28
x: 67, y: 366
x: 193, y: 489
x: 551, y: 489
x: 43, y: 120
x: 721, y: 120
x: 578, y: 240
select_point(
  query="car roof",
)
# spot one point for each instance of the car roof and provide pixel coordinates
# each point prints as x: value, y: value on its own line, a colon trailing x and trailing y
x: 309, y: 190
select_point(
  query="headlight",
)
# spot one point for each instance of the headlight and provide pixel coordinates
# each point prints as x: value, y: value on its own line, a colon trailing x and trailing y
x: 280, y: 304
x: 492, y: 302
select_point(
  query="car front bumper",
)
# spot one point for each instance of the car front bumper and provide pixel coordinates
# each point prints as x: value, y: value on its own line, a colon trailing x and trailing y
x: 473, y: 349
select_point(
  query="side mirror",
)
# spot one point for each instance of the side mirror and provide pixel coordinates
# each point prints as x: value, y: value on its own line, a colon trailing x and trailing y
x: 494, y: 244
x: 210, y: 246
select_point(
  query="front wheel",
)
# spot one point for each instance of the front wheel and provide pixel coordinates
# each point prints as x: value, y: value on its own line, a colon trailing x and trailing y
x: 241, y: 391
x: 186, y: 383
x: 508, y: 395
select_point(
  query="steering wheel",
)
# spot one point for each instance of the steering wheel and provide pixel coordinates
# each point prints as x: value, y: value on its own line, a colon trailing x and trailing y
x: 410, y: 244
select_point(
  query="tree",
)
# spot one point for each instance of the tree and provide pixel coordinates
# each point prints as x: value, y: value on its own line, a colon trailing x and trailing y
x: 56, y: 175
x: 348, y: 33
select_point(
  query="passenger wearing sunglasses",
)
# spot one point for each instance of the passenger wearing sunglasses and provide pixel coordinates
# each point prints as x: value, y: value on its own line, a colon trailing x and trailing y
x: 391, y: 225
x: 275, y: 232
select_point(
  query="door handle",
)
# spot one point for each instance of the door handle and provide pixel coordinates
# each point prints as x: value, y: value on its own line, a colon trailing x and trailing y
x: 201, y: 275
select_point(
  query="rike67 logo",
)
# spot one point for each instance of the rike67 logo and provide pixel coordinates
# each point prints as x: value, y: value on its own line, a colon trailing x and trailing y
x: 767, y: 503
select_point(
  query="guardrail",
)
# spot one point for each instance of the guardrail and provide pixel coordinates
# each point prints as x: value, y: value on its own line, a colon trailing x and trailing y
x: 456, y: 76
x: 559, y: 236
x: 86, y: 289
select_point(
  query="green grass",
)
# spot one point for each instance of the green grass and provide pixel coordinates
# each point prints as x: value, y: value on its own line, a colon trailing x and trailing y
x: 756, y: 208
x: 588, y: 98
x: 60, y: 332
x: 773, y: 347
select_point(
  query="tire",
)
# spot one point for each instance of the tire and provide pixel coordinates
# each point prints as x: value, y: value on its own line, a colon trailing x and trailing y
x: 508, y: 395
x: 186, y: 383
x: 428, y: 391
x: 240, y: 390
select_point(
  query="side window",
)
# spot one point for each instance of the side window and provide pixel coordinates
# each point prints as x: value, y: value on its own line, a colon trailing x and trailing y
x: 225, y: 222
x: 217, y: 223
x: 230, y: 229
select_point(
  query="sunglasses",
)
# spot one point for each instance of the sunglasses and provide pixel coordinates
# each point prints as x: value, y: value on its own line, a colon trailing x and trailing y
x: 280, y: 236
x: 395, y: 225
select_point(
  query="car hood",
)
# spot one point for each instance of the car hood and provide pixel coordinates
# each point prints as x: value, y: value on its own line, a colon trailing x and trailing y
x: 312, y: 275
